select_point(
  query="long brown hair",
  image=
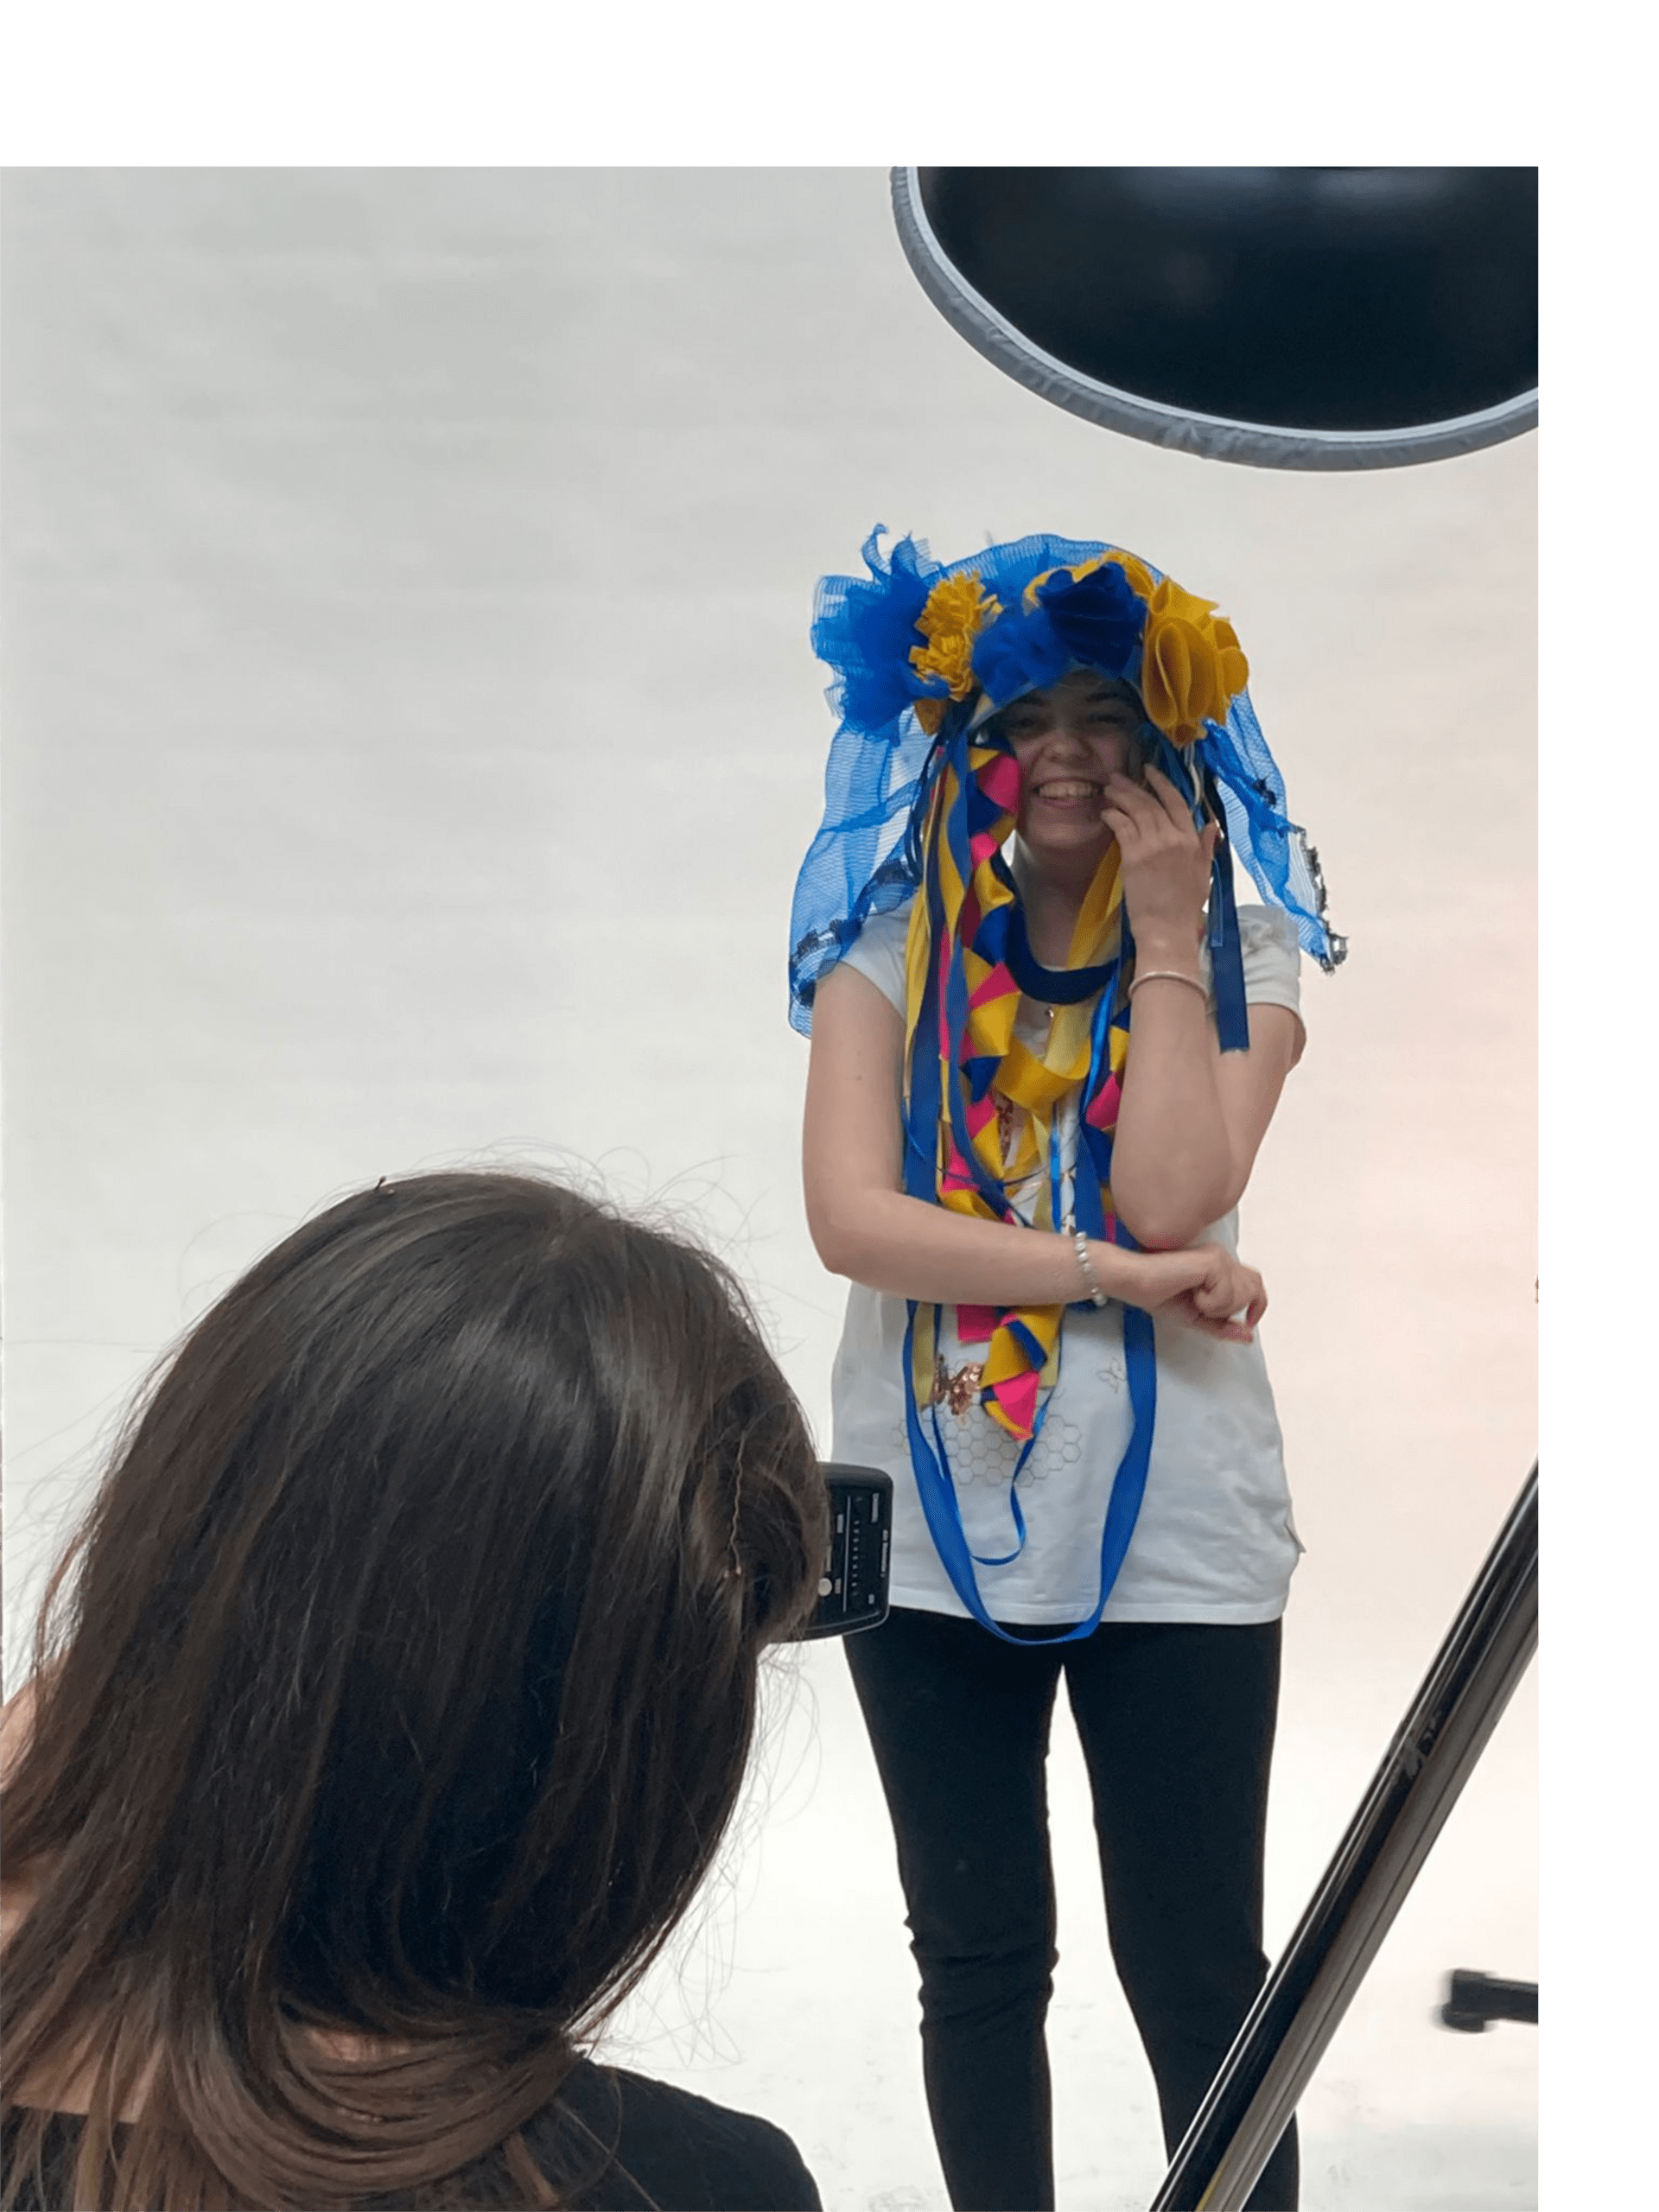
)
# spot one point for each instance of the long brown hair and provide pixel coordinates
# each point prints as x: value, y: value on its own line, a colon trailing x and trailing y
x: 400, y: 1681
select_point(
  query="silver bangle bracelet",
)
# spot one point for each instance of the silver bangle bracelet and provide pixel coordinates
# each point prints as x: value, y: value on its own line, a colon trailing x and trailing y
x: 1168, y: 976
x: 1080, y: 1246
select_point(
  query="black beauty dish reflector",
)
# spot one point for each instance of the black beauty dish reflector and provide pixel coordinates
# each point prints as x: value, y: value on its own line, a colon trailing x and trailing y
x: 1290, y: 318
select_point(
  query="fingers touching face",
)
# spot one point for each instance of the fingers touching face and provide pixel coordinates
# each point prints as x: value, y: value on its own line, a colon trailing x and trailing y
x: 1085, y: 776
x: 1070, y: 742
x: 1143, y: 798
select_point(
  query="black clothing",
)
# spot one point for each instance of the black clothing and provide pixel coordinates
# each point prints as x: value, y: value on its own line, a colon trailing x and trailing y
x: 1177, y: 1723
x: 681, y: 2152
x: 671, y: 2150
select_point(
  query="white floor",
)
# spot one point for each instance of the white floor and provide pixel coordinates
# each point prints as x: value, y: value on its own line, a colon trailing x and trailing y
x: 411, y: 726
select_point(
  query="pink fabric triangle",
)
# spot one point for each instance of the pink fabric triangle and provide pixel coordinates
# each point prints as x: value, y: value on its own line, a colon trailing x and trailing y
x: 998, y: 984
x: 1000, y: 782
x: 958, y: 1173
x: 1101, y: 1112
x: 1018, y: 1399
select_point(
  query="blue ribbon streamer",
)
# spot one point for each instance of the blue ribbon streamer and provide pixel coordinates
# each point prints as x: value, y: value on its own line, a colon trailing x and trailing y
x: 1226, y: 953
x: 944, y: 1513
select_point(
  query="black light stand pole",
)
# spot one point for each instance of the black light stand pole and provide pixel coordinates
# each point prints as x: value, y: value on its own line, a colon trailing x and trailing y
x: 1250, y: 2102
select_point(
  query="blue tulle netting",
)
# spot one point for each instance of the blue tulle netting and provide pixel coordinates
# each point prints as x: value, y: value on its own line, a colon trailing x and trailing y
x: 865, y: 857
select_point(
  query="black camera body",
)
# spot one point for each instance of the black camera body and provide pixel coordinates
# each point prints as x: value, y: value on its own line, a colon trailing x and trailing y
x: 852, y: 1589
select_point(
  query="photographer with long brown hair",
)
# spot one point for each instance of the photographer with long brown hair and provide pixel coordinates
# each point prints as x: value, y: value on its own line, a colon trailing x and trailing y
x: 389, y: 1709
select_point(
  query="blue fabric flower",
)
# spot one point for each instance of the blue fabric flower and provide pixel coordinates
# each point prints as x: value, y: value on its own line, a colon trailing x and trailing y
x: 1099, y: 618
x: 865, y: 632
x: 1017, y: 653
x: 1096, y: 619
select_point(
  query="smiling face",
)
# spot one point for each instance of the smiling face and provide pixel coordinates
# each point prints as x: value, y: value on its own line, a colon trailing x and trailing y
x: 1068, y: 740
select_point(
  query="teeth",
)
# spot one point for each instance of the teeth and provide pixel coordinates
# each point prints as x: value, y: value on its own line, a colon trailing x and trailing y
x: 1068, y: 791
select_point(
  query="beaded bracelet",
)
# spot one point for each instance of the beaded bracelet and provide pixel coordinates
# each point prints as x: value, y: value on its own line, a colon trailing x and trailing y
x: 1167, y: 975
x: 1080, y: 1245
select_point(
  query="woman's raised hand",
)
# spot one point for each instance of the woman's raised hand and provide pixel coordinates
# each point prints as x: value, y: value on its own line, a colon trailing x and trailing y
x: 1203, y: 1288
x: 1166, y: 861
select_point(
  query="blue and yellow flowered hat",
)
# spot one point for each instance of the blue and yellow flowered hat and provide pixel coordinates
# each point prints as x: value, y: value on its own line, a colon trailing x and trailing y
x: 919, y: 650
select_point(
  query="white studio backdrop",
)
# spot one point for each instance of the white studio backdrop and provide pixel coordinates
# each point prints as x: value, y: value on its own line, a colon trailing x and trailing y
x: 411, y: 738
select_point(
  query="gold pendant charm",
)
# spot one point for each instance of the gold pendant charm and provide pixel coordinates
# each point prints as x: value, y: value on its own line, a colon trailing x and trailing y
x: 1004, y: 1125
x: 957, y: 1391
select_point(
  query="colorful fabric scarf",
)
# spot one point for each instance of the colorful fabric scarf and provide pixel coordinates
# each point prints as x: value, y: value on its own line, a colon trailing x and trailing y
x: 983, y: 1122
x: 980, y: 1107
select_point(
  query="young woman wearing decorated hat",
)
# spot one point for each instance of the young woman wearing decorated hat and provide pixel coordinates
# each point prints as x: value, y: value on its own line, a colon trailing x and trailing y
x: 1046, y: 1045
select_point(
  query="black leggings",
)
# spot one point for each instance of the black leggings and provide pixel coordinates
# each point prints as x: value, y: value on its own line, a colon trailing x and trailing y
x: 1176, y: 1720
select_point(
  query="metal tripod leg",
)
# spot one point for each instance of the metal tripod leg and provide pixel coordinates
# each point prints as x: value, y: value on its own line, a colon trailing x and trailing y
x: 1474, y: 1674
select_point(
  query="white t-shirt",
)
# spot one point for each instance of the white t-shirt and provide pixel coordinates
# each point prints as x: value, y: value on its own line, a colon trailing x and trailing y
x: 1214, y: 1541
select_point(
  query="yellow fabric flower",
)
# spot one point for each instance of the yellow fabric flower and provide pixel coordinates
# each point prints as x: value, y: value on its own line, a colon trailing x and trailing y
x: 957, y: 610
x: 1190, y: 663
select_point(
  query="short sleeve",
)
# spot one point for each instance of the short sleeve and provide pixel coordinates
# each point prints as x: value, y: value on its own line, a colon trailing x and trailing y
x: 879, y: 952
x: 1272, y: 958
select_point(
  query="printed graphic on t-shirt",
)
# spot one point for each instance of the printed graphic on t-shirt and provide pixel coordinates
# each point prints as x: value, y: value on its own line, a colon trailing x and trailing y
x: 977, y: 1450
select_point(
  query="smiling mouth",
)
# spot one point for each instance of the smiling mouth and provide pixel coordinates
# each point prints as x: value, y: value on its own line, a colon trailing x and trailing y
x: 1068, y: 787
